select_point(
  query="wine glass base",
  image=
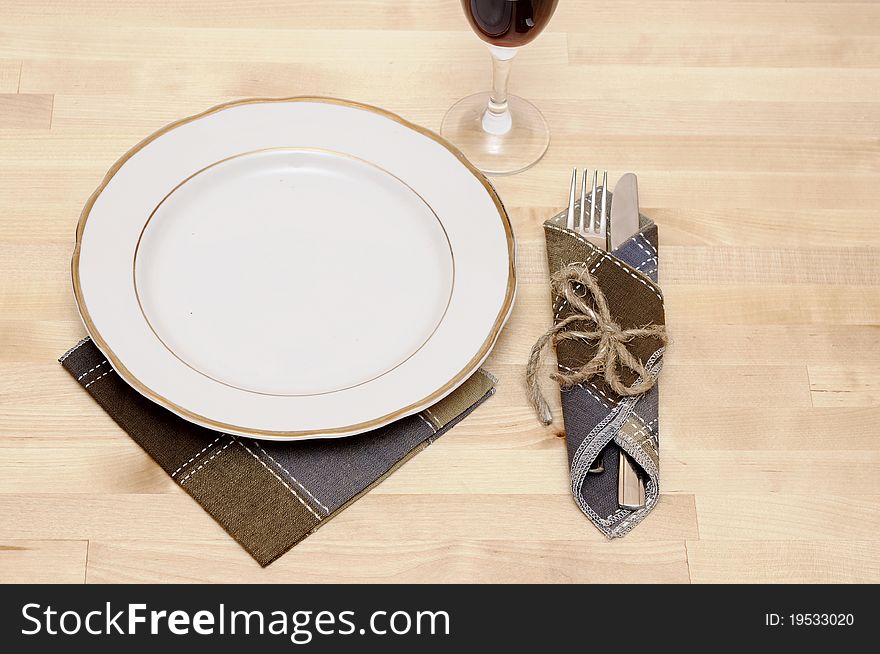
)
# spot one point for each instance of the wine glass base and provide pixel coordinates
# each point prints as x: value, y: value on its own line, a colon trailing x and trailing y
x: 519, y: 148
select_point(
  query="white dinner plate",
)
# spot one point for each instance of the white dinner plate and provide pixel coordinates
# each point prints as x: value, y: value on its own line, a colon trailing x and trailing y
x: 294, y: 268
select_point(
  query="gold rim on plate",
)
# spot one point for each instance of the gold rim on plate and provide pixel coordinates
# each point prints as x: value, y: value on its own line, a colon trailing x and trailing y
x: 414, y: 407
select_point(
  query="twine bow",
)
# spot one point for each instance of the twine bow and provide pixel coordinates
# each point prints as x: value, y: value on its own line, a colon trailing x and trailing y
x: 611, y: 355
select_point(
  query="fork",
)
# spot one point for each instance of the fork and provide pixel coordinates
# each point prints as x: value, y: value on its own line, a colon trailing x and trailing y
x: 596, y: 232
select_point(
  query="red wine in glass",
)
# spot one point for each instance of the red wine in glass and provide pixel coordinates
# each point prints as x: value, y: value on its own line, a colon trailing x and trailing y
x: 508, y: 23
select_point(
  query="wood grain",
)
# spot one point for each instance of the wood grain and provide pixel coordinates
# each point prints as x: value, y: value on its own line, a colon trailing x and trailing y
x: 383, y: 517
x: 10, y: 75
x: 856, y: 385
x: 445, y: 561
x: 25, y: 110
x: 785, y: 561
x: 753, y: 128
x: 43, y: 561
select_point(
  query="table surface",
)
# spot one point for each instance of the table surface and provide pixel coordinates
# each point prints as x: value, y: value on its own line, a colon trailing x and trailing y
x: 753, y: 127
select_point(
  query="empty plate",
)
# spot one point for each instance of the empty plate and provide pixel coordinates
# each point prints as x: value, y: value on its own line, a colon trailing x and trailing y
x: 294, y: 268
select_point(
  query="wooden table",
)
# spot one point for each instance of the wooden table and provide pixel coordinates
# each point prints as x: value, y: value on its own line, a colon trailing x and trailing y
x: 753, y: 127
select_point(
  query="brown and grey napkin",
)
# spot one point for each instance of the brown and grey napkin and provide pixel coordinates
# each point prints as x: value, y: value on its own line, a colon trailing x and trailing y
x: 597, y: 420
x: 268, y: 495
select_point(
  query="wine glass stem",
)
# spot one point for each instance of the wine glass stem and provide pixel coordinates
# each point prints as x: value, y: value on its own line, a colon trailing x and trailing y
x: 497, y: 119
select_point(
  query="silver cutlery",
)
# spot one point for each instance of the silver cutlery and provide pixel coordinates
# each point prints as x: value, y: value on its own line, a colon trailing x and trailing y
x: 623, y: 223
x: 624, y: 219
x: 609, y: 232
x: 596, y: 231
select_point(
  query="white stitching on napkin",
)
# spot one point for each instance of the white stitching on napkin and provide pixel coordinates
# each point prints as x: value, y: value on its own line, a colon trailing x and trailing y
x: 653, y: 249
x: 638, y: 278
x: 207, y: 461
x: 91, y: 370
x: 428, y: 422
x: 602, y: 393
x: 97, y: 378
x: 432, y: 417
x: 594, y: 396
x: 295, y: 480
x: 198, y: 454
x: 74, y: 349
x: 589, y: 392
x: 284, y: 483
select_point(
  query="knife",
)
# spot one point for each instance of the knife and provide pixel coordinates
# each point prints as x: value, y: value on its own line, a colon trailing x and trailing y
x: 630, y: 485
x: 623, y: 225
x: 624, y: 210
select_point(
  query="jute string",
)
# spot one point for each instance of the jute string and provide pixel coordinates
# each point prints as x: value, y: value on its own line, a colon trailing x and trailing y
x: 611, y: 354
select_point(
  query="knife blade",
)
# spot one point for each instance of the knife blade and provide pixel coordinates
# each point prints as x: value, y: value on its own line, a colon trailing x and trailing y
x: 624, y: 210
x: 630, y: 486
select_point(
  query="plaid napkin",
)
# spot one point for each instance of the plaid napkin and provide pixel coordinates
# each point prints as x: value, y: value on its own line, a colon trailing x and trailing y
x: 268, y: 495
x: 597, y: 420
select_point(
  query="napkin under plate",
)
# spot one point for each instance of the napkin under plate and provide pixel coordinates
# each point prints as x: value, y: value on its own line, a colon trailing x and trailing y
x: 268, y: 495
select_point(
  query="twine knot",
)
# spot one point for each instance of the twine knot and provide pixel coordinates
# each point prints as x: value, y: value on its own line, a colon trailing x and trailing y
x: 578, y: 286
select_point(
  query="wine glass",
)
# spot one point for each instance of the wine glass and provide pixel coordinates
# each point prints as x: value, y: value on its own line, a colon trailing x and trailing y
x: 501, y: 134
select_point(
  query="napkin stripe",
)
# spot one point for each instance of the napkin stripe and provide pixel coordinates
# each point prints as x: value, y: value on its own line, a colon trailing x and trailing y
x: 268, y: 495
x: 205, y: 462
x: 198, y: 454
x: 294, y: 479
x: 430, y: 424
x: 283, y: 483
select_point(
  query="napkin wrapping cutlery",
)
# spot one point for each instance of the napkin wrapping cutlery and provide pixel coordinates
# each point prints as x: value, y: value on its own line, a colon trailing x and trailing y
x: 608, y: 320
x: 268, y: 495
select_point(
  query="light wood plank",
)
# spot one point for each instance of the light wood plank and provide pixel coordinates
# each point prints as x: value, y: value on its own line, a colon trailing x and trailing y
x: 37, y: 341
x: 785, y: 562
x: 345, y: 14
x: 769, y: 430
x: 174, y: 516
x: 110, y: 467
x: 43, y: 561
x: 745, y: 516
x: 320, y: 560
x: 729, y: 18
x: 774, y: 305
x: 782, y: 49
x: 810, y: 227
x: 812, y: 344
x: 854, y: 266
x: 753, y: 121
x: 78, y: 40
x: 10, y: 75
x: 26, y: 110
x: 801, y: 472
x: 844, y: 385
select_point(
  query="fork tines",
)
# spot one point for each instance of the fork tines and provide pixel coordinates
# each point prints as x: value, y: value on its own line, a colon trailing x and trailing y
x: 596, y: 231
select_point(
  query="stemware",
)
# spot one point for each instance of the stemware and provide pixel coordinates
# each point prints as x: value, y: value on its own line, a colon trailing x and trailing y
x: 501, y: 133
